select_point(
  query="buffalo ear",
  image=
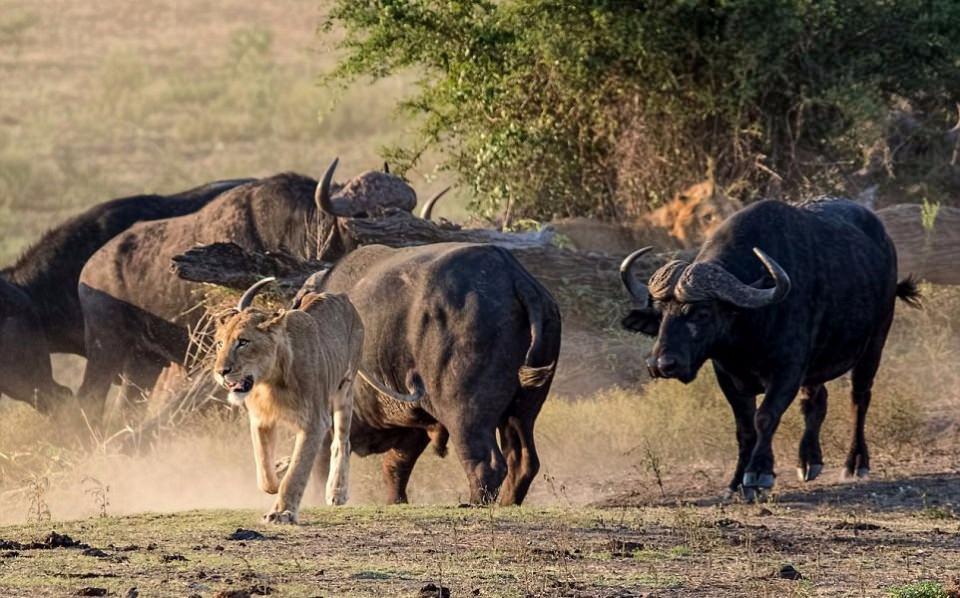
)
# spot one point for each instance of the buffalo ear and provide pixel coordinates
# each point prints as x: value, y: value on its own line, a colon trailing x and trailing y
x: 644, y: 320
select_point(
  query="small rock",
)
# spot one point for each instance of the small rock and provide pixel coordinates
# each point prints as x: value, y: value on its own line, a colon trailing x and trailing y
x: 94, y: 552
x: 764, y: 512
x: 728, y: 523
x: 246, y: 534
x: 169, y: 558
x: 232, y: 594
x: 434, y: 591
x: 132, y: 593
x: 789, y: 572
x: 55, y: 540
x: 91, y: 592
x: 10, y: 554
x: 859, y: 526
x: 624, y: 548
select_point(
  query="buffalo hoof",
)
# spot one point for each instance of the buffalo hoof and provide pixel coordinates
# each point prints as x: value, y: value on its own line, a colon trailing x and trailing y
x: 754, y: 480
x: 861, y: 473
x: 810, y: 472
x: 280, y: 518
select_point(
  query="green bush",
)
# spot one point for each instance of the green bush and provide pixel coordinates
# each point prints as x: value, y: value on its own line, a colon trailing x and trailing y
x: 606, y: 107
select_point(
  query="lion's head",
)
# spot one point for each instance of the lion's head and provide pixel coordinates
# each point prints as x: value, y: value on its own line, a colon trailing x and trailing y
x: 247, y: 346
x: 247, y: 341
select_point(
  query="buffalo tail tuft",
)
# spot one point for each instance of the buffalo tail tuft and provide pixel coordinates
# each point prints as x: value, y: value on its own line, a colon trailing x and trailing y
x: 907, y: 291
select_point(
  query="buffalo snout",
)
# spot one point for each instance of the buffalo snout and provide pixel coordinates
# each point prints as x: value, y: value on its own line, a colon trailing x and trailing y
x: 668, y: 365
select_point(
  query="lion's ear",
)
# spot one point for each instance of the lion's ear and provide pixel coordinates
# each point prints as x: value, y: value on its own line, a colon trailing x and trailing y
x: 272, y: 320
x: 222, y: 317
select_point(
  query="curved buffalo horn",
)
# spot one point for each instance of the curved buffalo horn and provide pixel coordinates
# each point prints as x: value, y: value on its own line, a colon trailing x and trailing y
x: 427, y: 209
x: 250, y: 293
x: 708, y: 280
x: 322, y: 196
x: 781, y: 279
x: 637, y: 290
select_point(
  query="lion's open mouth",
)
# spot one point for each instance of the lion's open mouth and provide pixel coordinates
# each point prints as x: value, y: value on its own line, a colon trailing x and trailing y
x: 240, y: 386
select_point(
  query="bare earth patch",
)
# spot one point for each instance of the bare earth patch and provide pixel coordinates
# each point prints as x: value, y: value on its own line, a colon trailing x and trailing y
x: 830, y: 540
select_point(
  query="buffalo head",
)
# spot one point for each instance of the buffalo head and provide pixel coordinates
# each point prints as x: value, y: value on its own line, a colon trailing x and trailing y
x: 690, y: 307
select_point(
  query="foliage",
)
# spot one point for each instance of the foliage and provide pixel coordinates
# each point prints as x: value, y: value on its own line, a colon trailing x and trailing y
x: 605, y: 107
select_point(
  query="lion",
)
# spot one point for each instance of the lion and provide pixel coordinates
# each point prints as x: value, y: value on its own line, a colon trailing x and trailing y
x: 297, y: 367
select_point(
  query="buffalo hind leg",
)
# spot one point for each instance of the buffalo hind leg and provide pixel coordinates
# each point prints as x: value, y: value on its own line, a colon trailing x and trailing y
x: 813, y: 404
x: 861, y: 378
x: 398, y: 463
x: 482, y: 461
x: 519, y: 447
x: 516, y: 439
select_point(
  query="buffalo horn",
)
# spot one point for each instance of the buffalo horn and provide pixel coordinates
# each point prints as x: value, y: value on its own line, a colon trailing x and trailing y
x: 427, y: 210
x: 250, y: 293
x: 637, y: 290
x: 322, y: 196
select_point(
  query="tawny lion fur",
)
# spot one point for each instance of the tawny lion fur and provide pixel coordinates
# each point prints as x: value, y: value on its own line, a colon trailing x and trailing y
x: 303, y: 363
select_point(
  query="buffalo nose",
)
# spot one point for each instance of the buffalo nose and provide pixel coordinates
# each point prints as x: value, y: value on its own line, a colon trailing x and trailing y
x: 224, y: 371
x: 667, y: 365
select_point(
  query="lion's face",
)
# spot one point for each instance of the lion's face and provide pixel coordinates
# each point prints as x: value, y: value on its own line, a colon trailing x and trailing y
x: 246, y: 352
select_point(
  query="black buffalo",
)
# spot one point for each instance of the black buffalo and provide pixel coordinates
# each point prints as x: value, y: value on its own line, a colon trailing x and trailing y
x: 781, y: 299
x: 138, y: 314
x: 484, y: 335
x: 39, y: 307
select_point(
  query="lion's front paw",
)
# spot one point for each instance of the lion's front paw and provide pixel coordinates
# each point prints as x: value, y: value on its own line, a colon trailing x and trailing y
x: 281, y: 518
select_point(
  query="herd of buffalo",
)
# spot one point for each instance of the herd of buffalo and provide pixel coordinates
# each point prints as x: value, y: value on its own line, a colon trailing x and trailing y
x: 781, y: 298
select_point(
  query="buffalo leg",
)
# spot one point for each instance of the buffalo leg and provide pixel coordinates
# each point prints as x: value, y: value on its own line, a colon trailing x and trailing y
x: 482, y: 460
x: 743, y: 403
x: 813, y: 404
x: 861, y: 378
x: 398, y: 463
x: 139, y: 376
x: 759, y: 473
x: 519, y: 448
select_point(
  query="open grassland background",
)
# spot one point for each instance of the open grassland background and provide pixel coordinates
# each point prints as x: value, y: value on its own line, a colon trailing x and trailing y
x: 111, y: 98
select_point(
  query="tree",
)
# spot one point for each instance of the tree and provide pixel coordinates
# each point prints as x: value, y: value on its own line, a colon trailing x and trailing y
x: 606, y: 107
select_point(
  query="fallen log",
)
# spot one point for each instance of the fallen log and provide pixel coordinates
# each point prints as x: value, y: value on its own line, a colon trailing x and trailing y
x: 398, y: 228
x: 930, y: 252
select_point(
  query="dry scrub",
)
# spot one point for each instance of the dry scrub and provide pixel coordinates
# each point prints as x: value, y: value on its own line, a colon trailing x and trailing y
x: 663, y: 441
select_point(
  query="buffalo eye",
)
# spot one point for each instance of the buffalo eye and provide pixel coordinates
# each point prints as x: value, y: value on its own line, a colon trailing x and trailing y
x: 701, y: 315
x: 242, y: 342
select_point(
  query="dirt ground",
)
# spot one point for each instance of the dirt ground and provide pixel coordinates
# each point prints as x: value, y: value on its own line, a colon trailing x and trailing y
x: 826, y: 539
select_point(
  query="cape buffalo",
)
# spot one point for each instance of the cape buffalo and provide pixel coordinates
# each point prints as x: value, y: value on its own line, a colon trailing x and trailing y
x: 485, y: 337
x: 138, y: 313
x: 781, y: 299
x: 39, y: 306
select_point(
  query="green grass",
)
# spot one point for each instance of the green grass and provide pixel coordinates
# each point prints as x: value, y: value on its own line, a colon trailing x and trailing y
x: 920, y: 589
